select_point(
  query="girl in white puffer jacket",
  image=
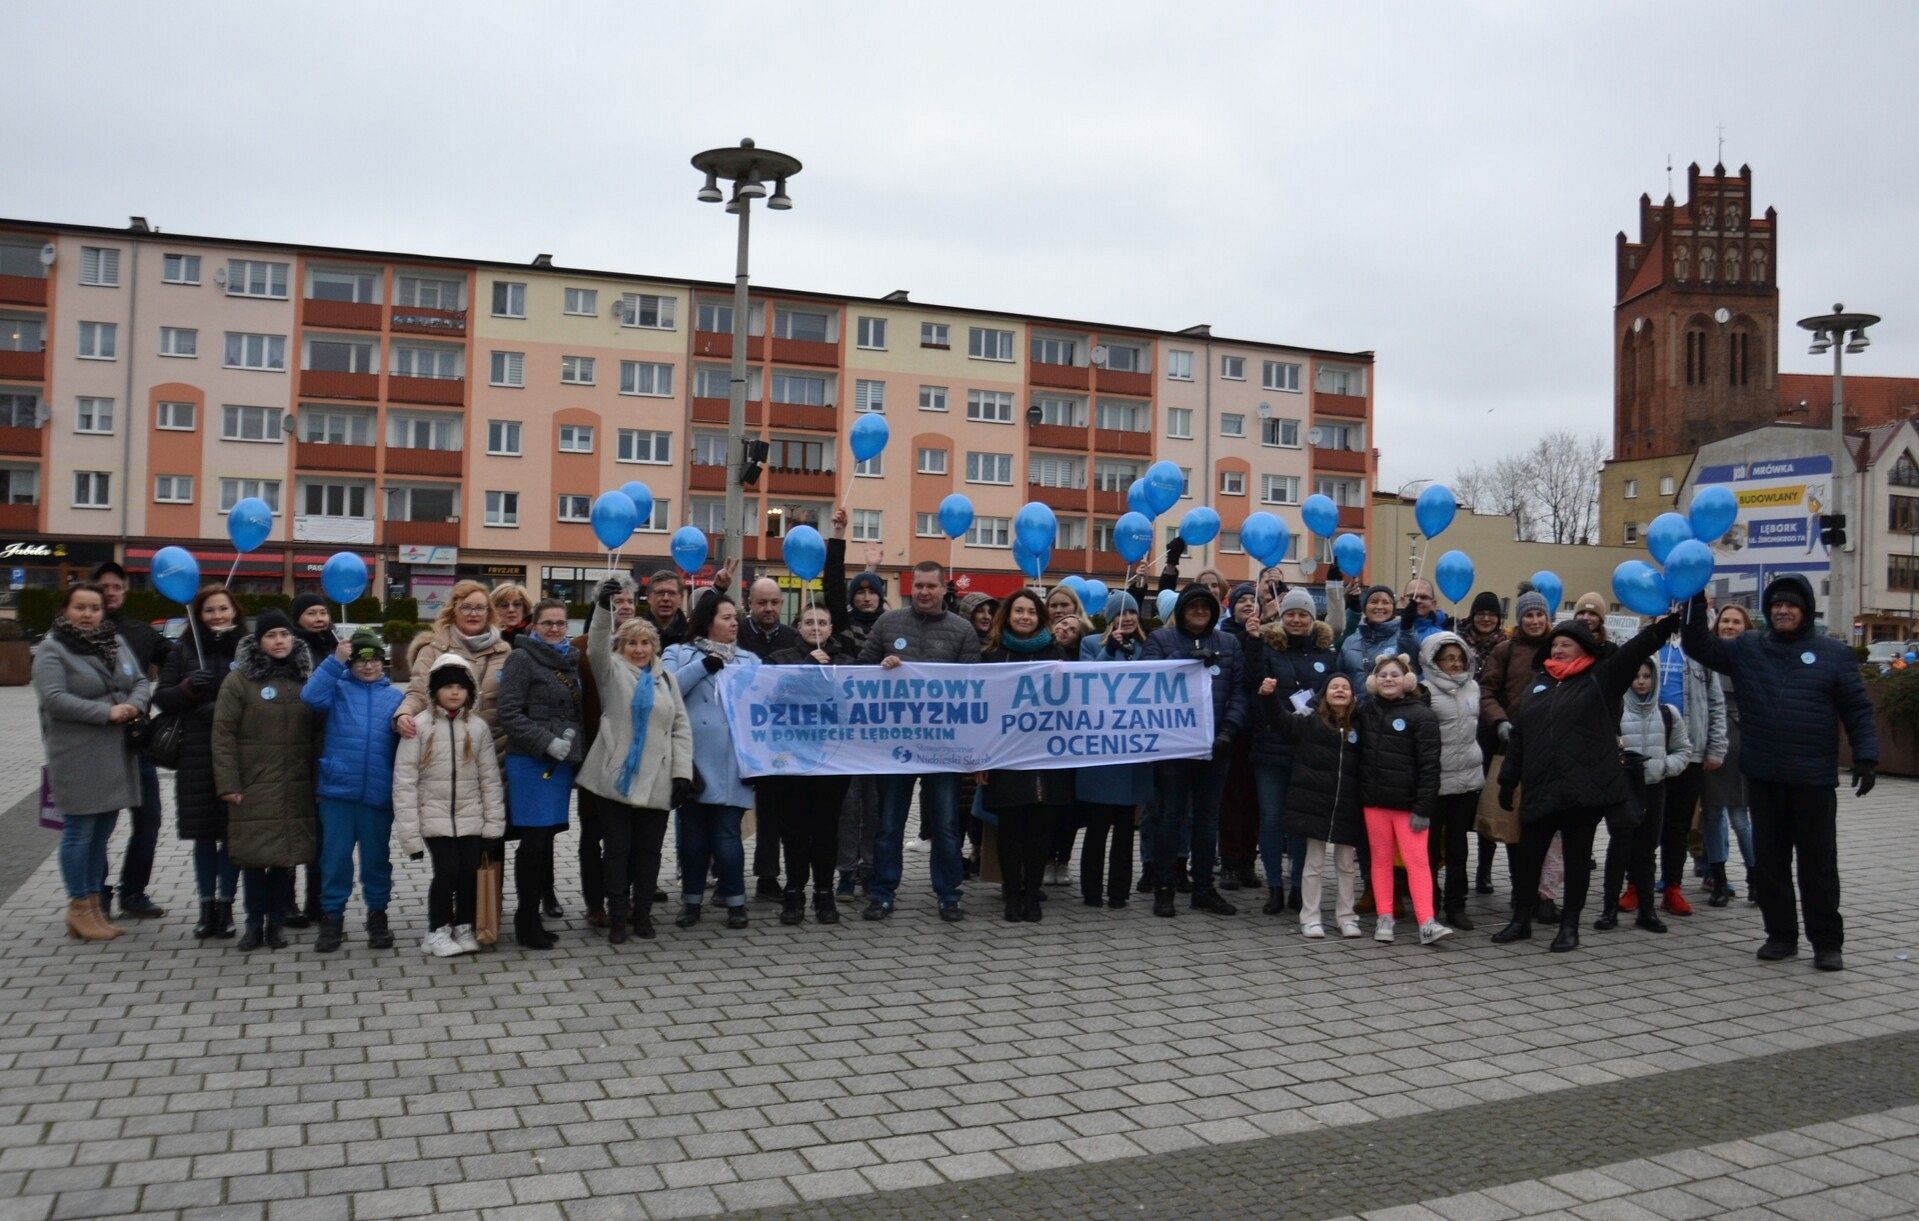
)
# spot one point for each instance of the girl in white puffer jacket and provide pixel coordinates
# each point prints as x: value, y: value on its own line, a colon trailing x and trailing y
x: 1447, y: 664
x: 1653, y: 736
x: 447, y: 801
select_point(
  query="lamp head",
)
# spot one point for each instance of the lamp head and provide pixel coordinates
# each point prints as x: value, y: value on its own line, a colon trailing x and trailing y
x: 751, y: 187
x: 1859, y: 342
x: 710, y: 193
x: 780, y: 201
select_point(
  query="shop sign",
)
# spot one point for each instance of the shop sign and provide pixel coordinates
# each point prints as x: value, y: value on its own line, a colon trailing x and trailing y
x: 421, y: 553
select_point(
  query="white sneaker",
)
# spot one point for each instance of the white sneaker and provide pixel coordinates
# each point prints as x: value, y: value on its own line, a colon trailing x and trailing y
x: 463, y: 939
x: 1350, y: 928
x: 1314, y: 930
x: 439, y: 943
x: 1383, y: 930
x: 1055, y: 874
x: 1432, y: 931
x: 916, y: 845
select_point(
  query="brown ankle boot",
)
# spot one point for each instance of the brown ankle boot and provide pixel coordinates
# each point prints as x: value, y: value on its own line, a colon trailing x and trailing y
x: 109, y: 927
x: 80, y: 922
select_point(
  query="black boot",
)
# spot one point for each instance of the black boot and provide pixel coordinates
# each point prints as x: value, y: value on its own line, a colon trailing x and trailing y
x: 1608, y: 915
x: 618, y: 928
x: 1649, y: 919
x: 1458, y: 919
x: 1229, y: 875
x: 1015, y: 906
x: 250, y: 940
x: 223, y: 918
x: 736, y: 916
x: 1721, y: 889
x: 527, y: 930
x: 276, y: 937
x: 332, y: 933
x: 378, y: 935
x: 793, y: 906
x: 689, y: 915
x: 1483, y: 880
x: 1248, y: 875
x: 643, y: 921
x: 1519, y: 928
x: 1275, y: 902
x: 1164, y: 903
x: 1210, y: 900
x: 209, y: 920
x: 1568, y: 939
x: 1182, y: 880
x: 826, y: 908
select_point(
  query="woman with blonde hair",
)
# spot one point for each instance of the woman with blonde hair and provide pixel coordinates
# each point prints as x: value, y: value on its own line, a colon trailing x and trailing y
x: 467, y: 628
x: 512, y: 609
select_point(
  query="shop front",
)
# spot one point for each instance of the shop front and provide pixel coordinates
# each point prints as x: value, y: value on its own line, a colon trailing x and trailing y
x: 264, y: 571
x: 41, y: 563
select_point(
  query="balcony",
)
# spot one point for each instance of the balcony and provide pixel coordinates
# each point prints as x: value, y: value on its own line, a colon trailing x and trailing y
x: 418, y: 320
x: 1122, y: 441
x: 706, y: 478
x: 1110, y: 503
x: 1352, y: 406
x: 439, y: 391
x: 1057, y: 498
x: 346, y: 315
x: 1104, y: 564
x: 321, y: 384
x: 795, y: 481
x: 23, y: 442
x: 751, y: 547
x: 719, y: 345
x: 23, y: 290
x: 1114, y: 381
x: 1073, y: 559
x: 1062, y: 377
x: 29, y: 365
x: 20, y: 519
x: 443, y: 462
x: 1349, y: 461
x: 805, y: 415
x: 713, y: 411
x: 1059, y: 436
x: 423, y: 533
x: 320, y: 456
x: 1352, y: 517
x: 806, y: 352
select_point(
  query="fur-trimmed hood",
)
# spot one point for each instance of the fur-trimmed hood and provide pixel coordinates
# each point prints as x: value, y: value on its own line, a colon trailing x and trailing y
x: 1276, y: 638
x: 252, y: 661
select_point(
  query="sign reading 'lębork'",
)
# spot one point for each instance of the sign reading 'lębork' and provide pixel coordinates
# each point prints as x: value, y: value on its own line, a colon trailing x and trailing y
x: 922, y: 717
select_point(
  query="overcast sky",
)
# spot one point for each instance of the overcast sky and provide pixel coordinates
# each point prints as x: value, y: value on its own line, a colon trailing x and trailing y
x: 1439, y: 183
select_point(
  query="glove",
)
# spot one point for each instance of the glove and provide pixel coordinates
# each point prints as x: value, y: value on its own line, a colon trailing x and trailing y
x: 682, y: 792
x: 714, y: 663
x: 1421, y: 822
x: 1409, y: 615
x: 1175, y: 551
x: 560, y: 748
x: 1505, y: 732
x: 198, y: 683
x: 1506, y: 794
x: 416, y: 856
x: 1222, y: 745
x: 608, y: 587
x: 1865, y: 774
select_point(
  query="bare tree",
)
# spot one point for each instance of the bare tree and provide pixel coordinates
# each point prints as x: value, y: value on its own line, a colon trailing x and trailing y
x: 1550, y: 490
x: 1502, y: 488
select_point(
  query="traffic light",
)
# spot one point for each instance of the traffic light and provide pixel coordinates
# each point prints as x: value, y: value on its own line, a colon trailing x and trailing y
x: 1832, y: 529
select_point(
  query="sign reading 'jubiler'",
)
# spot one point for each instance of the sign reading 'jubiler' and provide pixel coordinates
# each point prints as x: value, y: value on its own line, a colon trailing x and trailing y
x: 921, y: 717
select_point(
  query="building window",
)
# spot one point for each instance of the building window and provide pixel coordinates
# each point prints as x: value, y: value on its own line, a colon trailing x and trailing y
x: 509, y: 299
x: 440, y: 432
x: 253, y: 278
x: 99, y: 340
x: 100, y: 266
x: 1233, y: 368
x: 19, y: 409
x: 866, y: 525
x: 1905, y: 472
x: 233, y: 491
x: 173, y: 489
x: 1632, y: 533
x: 1280, y: 432
x: 1280, y: 375
x: 1232, y: 424
x: 985, y: 343
x: 1229, y: 543
x: 1114, y: 475
x: 1346, y: 493
x: 659, y: 523
x: 1185, y: 483
x: 1738, y: 345
x: 356, y: 287
x: 869, y: 395
x: 648, y: 311
x: 1232, y: 483
x: 989, y: 468
x: 1902, y: 513
x: 1339, y: 379
x: 989, y: 406
x: 646, y: 377
x: 576, y: 370
x: 1179, y: 422
x: 1120, y: 416
x: 710, y: 448
x: 1179, y: 365
x: 872, y: 333
x: 503, y: 438
x: 1124, y: 358
x: 927, y: 525
x: 872, y: 468
x: 508, y: 369
x: 92, y: 490
x: 582, y: 301
x: 94, y: 415
x: 990, y: 532
x: 180, y: 269
x: 341, y: 355
x: 932, y: 461
x: 502, y: 508
x: 435, y: 361
x: 436, y: 292
x: 790, y: 454
x: 179, y: 341
x: 1047, y: 350
x: 933, y: 335
x: 572, y: 508
x: 1279, y: 489
x: 1056, y: 471
x: 420, y: 503
x: 260, y: 424
x: 576, y: 438
x: 805, y: 389
x: 324, y: 427
x: 807, y: 326
x: 1902, y: 572
x: 1632, y: 489
x: 1695, y: 357
x: 334, y: 500
x: 20, y: 485
x: 1061, y: 410
x: 174, y: 417
x: 1665, y: 485
x: 713, y: 318
x: 932, y: 398
x: 644, y: 445
x: 263, y: 352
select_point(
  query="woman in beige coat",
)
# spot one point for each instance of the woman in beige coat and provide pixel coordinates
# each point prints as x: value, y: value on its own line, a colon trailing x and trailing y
x: 467, y: 629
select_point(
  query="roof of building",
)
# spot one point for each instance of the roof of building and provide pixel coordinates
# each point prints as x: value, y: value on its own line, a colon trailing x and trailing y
x: 1870, y: 401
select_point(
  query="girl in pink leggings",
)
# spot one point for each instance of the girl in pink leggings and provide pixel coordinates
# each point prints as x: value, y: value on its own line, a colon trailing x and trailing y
x: 1398, y: 788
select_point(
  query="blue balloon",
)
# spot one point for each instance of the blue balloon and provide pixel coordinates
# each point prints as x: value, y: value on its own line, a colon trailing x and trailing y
x: 1688, y: 569
x: 1031, y: 562
x: 1077, y: 584
x: 614, y: 519
x: 1199, y: 527
x: 1320, y: 514
x: 1911, y: 656
x: 1640, y: 588
x: 642, y: 498
x: 343, y: 577
x: 1164, y: 486
x: 1349, y: 552
x: 1035, y: 526
x: 1165, y: 602
x: 1138, y: 502
x: 804, y: 551
x: 1434, y: 510
x: 868, y: 436
x: 1714, y: 509
x: 1093, y: 593
x: 689, y: 548
x: 1454, y: 575
x: 1667, y: 531
x: 1133, y: 537
x: 176, y: 574
x: 1551, y: 588
x: 956, y: 515
x: 248, y: 524
x: 1264, y: 537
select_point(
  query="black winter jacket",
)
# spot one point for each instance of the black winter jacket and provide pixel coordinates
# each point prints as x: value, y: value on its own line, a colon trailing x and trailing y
x: 1007, y: 788
x: 1220, y: 651
x: 1322, y: 798
x: 541, y: 698
x: 1298, y: 663
x: 1398, y: 755
x: 763, y: 644
x: 840, y: 649
x: 200, y: 814
x: 149, y: 647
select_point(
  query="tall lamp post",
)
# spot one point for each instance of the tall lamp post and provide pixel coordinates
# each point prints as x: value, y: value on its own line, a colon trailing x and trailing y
x: 1839, y: 332
x: 749, y: 168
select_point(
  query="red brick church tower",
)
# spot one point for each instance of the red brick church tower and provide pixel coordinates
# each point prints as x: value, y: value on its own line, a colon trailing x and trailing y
x: 1696, y: 322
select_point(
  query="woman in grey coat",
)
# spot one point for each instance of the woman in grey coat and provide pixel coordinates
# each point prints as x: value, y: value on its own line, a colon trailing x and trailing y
x: 91, y: 687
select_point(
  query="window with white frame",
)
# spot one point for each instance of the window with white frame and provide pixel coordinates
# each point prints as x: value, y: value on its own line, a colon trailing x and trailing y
x: 19, y: 409
x: 1072, y: 535
x: 931, y: 461
x: 709, y: 515
x: 933, y: 398
x: 795, y: 454
x: 100, y: 266
x: 1338, y: 436
x: 574, y: 507
x: 509, y: 299
x: 92, y: 490
x: 714, y: 382
x: 233, y: 491
x: 872, y: 333
x: 716, y: 317
x: 94, y: 415
x: 410, y: 430
x: 1179, y: 422
x: 1122, y: 415
x: 869, y: 395
x: 1280, y: 431
x: 990, y: 406
x: 1056, y: 471
x: 1185, y: 483
x: 647, y: 311
x: 646, y: 377
x: 1114, y: 474
x: 1339, y: 379
x: 871, y: 468
x: 354, y: 287
x: 1053, y: 350
x: 1232, y: 483
x: 180, y: 269
x: 1347, y: 493
x: 662, y: 518
x: 1229, y: 543
x: 507, y: 369
x: 502, y: 508
x: 173, y: 416
x: 20, y: 485
x: 1280, y: 375
x: 1279, y: 489
x: 927, y: 525
x: 582, y: 301
x: 867, y: 525
x: 98, y: 340
x: 934, y: 335
x: 1103, y: 534
x: 182, y: 341
x: 576, y: 438
x: 438, y: 292
x: 1665, y: 485
x: 990, y: 532
x: 645, y: 445
x: 577, y: 370
x: 1233, y: 368
x: 1179, y: 365
x: 1125, y: 358
x: 1061, y: 410
x: 986, y: 343
x: 988, y: 468
x: 1631, y: 533
x: 328, y: 498
x: 261, y: 424
x: 417, y: 503
x: 326, y: 426
x: 503, y: 438
x: 341, y: 354
x: 250, y: 351
x: 439, y: 361
x: 256, y: 278
x: 1632, y: 489
x: 811, y: 326
x: 807, y: 389
x: 1232, y: 424
x: 709, y: 449
x: 173, y: 489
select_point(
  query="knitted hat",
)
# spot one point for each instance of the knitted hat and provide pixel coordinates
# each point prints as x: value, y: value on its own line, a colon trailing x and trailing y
x: 270, y: 619
x: 1531, y: 600
x: 366, y: 645
x: 1576, y: 632
x: 450, y: 668
x: 1377, y: 589
x: 1792, y: 591
x: 972, y: 602
x: 1118, y: 603
x: 1590, y: 602
x: 1242, y: 590
x: 867, y: 580
x: 303, y: 603
x: 1488, y: 601
x: 1297, y: 599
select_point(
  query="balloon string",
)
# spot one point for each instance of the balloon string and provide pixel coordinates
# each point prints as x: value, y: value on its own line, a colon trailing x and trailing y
x: 232, y: 570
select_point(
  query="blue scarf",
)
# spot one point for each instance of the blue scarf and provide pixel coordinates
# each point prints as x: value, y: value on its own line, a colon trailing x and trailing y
x: 1037, y: 642
x: 563, y: 648
x: 641, y: 711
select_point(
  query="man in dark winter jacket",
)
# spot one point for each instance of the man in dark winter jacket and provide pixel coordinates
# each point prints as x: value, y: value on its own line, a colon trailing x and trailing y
x: 1794, y: 687
x: 1190, y: 788
x: 149, y: 650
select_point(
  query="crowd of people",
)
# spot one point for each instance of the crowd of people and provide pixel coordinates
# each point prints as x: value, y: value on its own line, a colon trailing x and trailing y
x: 1365, y: 730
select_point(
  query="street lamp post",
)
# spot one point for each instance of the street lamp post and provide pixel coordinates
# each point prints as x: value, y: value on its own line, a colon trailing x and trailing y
x: 748, y: 167
x: 1841, y: 332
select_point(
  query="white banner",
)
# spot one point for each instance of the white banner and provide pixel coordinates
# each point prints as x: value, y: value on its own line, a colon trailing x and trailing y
x: 922, y: 717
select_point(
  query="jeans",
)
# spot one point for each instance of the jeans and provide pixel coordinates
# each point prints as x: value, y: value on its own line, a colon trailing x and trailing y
x: 1095, y: 865
x: 1149, y: 819
x: 216, y: 875
x: 859, y: 822
x: 136, y: 867
x: 1681, y: 798
x: 939, y: 812
x: 1189, y: 786
x: 269, y: 893
x: 1282, y: 854
x: 1718, y: 851
x: 630, y: 864
x: 709, y: 837
x: 451, y: 896
x: 346, y: 825
x: 1789, y: 821
x: 83, y: 851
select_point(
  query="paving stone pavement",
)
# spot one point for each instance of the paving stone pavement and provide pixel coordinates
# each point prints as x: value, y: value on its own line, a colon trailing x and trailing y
x: 787, y: 1068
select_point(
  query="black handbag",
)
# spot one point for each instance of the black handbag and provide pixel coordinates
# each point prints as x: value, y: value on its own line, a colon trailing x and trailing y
x: 157, y: 739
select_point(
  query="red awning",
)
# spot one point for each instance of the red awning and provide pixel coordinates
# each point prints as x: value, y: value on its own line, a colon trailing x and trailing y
x: 992, y: 584
x: 214, y: 564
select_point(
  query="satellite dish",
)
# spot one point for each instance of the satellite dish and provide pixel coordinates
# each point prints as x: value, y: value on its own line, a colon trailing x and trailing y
x: 1099, y: 355
x: 48, y: 254
x: 219, y: 275
x: 42, y: 414
x: 1722, y: 315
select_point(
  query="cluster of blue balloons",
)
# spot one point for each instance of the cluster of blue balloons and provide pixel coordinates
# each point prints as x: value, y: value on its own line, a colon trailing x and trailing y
x: 617, y: 514
x: 1091, y: 591
x: 1682, y: 546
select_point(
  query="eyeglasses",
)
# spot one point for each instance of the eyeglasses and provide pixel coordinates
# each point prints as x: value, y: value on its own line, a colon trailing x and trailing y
x: 474, y: 608
x: 551, y: 625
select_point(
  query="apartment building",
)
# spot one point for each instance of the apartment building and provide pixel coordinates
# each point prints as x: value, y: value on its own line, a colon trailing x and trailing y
x: 448, y: 418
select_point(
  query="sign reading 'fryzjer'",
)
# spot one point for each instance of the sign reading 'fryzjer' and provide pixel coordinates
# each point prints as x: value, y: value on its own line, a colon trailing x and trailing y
x: 922, y: 717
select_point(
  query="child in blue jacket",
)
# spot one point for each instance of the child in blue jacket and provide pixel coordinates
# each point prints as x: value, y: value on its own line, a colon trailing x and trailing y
x: 351, y: 690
